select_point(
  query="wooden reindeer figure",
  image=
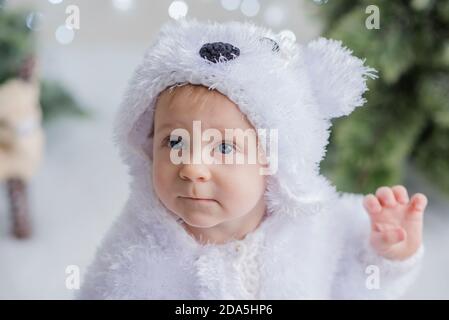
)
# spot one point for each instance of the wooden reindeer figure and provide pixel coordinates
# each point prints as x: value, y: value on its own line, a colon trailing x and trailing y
x: 21, y: 142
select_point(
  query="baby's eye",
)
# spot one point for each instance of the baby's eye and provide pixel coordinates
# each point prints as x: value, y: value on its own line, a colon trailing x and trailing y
x: 226, y: 148
x: 175, y: 142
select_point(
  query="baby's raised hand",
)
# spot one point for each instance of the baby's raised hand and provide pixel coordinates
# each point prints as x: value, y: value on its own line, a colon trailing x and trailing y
x: 396, y: 221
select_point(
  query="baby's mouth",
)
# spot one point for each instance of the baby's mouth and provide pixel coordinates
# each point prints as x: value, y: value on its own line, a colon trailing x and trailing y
x: 200, y: 200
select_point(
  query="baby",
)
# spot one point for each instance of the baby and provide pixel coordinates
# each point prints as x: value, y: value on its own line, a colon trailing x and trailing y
x: 204, y: 221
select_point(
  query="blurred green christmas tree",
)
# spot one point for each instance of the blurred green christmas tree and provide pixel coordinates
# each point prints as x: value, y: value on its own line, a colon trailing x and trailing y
x: 406, y: 118
x: 16, y: 46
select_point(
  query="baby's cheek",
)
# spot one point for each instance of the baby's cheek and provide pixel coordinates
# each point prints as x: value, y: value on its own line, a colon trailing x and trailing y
x: 161, y: 180
x: 244, y: 185
x: 158, y: 184
x: 157, y: 181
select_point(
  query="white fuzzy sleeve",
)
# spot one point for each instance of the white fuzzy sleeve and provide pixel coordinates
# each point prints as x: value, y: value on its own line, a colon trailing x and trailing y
x: 106, y: 277
x: 361, y: 273
x: 99, y: 280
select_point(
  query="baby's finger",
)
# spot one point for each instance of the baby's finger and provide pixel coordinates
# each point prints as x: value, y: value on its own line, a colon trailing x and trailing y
x: 386, y: 197
x: 384, y: 240
x: 400, y: 193
x: 418, y: 204
x: 371, y: 204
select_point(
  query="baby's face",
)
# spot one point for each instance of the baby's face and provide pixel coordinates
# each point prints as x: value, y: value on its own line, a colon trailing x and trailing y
x: 233, y: 190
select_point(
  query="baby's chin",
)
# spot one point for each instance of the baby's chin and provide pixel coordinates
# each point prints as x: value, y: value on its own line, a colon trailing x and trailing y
x: 200, y: 221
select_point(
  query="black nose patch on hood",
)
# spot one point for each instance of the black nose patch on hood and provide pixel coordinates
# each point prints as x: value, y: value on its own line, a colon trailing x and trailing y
x: 213, y: 51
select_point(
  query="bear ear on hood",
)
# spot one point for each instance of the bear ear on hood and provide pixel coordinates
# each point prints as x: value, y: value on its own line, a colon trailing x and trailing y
x: 338, y: 78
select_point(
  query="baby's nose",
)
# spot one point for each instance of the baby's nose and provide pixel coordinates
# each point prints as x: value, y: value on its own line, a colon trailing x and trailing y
x: 194, y: 172
x: 213, y: 51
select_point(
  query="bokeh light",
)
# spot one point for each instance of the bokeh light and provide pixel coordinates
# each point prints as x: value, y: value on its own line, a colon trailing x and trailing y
x: 230, y: 5
x: 64, y: 34
x: 34, y: 21
x: 123, y: 5
x: 274, y: 15
x: 250, y: 8
x: 178, y: 9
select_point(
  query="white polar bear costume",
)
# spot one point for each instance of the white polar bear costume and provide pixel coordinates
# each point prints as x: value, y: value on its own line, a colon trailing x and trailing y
x: 314, y: 242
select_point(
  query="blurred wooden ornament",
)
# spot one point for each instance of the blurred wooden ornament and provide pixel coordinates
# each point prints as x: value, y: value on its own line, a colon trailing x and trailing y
x: 21, y: 142
x: 17, y: 192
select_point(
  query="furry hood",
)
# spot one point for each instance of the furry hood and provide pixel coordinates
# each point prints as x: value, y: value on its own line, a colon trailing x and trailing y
x: 294, y: 88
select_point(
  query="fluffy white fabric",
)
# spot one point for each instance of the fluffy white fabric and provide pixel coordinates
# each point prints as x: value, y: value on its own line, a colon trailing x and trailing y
x: 314, y: 243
